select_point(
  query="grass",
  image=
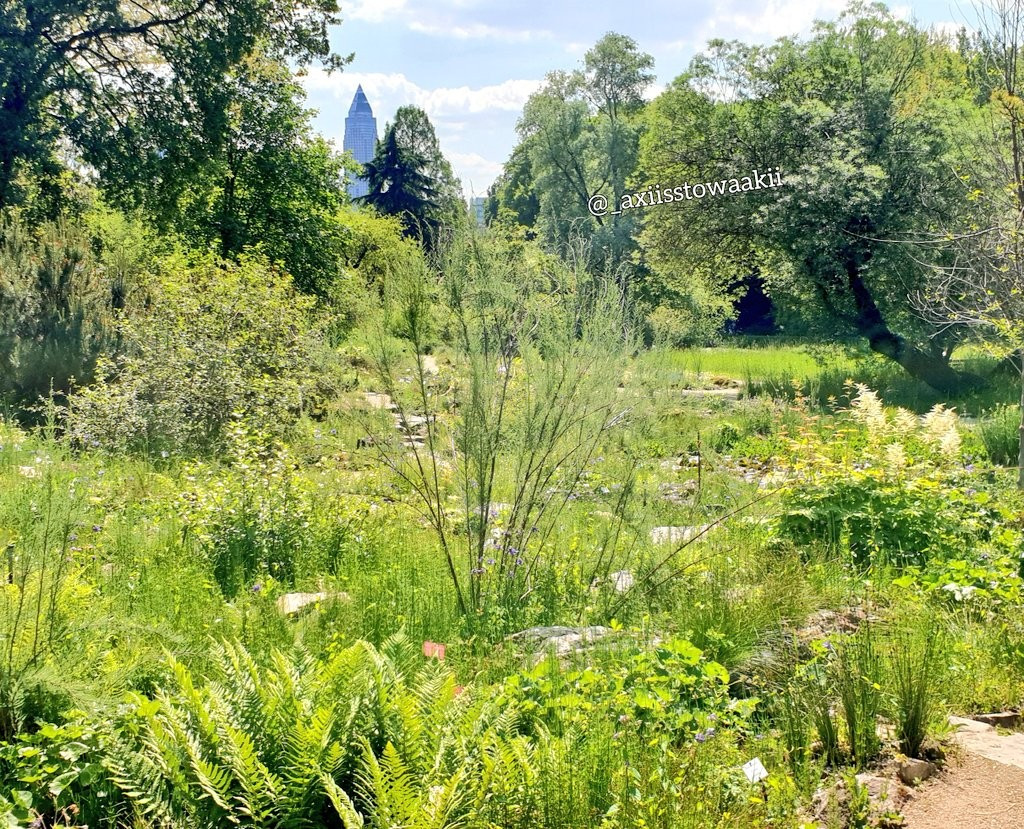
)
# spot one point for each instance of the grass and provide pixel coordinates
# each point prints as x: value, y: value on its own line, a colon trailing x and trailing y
x: 145, y: 579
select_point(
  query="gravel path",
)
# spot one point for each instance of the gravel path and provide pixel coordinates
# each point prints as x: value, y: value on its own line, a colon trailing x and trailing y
x: 974, y: 793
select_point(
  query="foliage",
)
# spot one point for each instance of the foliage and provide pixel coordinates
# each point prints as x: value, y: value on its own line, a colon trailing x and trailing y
x: 58, y: 300
x: 579, y: 135
x: 138, y: 92
x: 670, y: 693
x: 410, y: 179
x: 863, y: 159
x: 857, y: 667
x: 915, y: 663
x: 257, y: 519
x: 536, y: 402
x: 891, y: 492
x: 269, y: 182
x: 217, y: 342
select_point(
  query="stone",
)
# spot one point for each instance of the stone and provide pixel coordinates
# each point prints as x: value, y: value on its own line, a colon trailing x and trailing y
x: 563, y: 640
x: 291, y: 603
x: 913, y: 771
x: 430, y: 364
x: 621, y: 580
x: 963, y: 725
x: 1001, y: 719
x: 379, y: 401
x: 878, y: 787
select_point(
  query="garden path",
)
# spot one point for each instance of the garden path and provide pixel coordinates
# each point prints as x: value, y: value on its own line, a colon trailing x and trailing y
x: 984, y: 789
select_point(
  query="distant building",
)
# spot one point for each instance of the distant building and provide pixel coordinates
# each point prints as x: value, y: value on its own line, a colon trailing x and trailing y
x: 360, y: 138
x: 476, y: 209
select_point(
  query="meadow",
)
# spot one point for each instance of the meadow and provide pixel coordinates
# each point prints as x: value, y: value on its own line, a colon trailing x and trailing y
x: 562, y: 584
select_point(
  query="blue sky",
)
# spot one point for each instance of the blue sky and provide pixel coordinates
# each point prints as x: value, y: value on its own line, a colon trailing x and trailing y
x: 471, y: 64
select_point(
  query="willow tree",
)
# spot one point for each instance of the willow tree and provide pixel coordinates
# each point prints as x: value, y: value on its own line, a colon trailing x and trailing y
x: 857, y: 120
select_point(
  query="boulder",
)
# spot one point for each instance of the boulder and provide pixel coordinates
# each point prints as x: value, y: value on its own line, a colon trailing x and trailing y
x: 561, y: 640
x: 1001, y: 719
x: 291, y: 603
x: 677, y: 535
x: 913, y: 771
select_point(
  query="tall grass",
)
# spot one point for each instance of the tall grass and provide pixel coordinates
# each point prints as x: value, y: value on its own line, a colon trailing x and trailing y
x: 914, y: 666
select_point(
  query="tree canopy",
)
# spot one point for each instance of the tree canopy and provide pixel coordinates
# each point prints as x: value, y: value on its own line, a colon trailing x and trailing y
x: 135, y: 88
x: 857, y: 121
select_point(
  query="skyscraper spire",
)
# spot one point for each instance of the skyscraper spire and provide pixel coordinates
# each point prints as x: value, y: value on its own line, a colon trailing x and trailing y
x: 360, y: 138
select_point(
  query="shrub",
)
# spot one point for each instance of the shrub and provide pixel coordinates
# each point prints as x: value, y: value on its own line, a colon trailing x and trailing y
x: 539, y: 349
x: 57, y: 303
x: 1000, y: 434
x: 218, y: 342
x: 857, y: 668
x: 887, y: 487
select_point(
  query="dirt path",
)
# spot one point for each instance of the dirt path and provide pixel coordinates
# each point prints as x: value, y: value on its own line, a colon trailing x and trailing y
x: 982, y: 789
x: 973, y: 793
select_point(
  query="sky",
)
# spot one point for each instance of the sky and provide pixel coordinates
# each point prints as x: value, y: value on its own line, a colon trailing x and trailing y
x: 471, y: 64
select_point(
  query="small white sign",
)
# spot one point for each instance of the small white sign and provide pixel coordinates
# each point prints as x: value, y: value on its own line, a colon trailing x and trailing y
x: 755, y: 770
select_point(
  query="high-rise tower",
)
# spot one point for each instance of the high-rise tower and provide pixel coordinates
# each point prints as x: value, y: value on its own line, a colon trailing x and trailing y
x: 360, y: 138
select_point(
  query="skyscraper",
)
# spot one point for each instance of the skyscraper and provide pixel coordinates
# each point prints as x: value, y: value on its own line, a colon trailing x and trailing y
x: 360, y: 138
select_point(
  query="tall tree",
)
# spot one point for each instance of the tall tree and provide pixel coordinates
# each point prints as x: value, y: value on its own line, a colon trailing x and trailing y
x: 581, y: 134
x: 270, y: 181
x: 415, y: 134
x: 980, y: 285
x: 410, y: 178
x: 857, y: 121
x: 400, y: 187
x: 135, y: 87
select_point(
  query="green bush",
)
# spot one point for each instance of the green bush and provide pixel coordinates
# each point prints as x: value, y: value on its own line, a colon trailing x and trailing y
x: 999, y: 431
x: 217, y: 342
x: 57, y: 305
x: 886, y: 487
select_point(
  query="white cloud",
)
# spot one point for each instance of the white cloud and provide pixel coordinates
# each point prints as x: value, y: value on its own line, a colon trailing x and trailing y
x: 373, y: 11
x: 384, y: 88
x: 477, y: 31
x: 770, y: 21
x: 475, y: 171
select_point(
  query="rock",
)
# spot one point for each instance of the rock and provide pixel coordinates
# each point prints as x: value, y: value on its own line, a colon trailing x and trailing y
x: 914, y: 771
x: 563, y: 640
x: 878, y: 787
x: 430, y: 364
x: 621, y: 580
x: 379, y: 401
x: 677, y: 535
x: 963, y: 725
x: 291, y: 603
x: 1002, y: 719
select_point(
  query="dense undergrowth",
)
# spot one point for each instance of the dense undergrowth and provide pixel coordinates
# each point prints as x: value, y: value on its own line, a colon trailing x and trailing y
x: 848, y: 565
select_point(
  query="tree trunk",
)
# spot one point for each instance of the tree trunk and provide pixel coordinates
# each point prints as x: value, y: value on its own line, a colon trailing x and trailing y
x: 930, y: 368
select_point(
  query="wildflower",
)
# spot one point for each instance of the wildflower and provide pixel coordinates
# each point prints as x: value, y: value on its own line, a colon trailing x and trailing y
x: 705, y: 735
x: 519, y: 562
x: 490, y: 562
x: 73, y: 537
x: 96, y: 528
x: 256, y: 588
x: 476, y: 571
